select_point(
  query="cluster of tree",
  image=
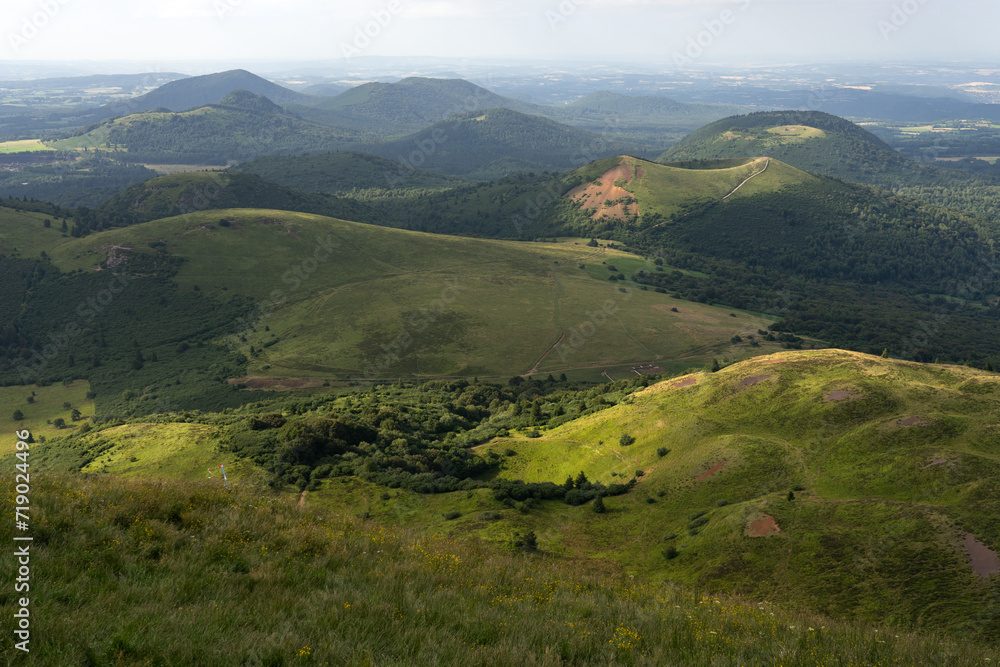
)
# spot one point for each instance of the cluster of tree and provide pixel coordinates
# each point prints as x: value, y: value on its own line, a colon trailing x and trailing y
x: 75, y: 182
x: 143, y: 343
x: 218, y: 135
x: 410, y: 436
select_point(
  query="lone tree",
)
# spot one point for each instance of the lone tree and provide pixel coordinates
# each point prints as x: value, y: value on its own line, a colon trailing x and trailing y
x: 626, y: 440
x: 18, y: 415
x: 598, y: 505
x: 59, y: 423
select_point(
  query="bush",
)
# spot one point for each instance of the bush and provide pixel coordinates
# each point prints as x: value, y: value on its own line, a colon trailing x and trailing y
x: 626, y: 440
x: 662, y: 451
x: 526, y: 542
x: 598, y: 506
x: 670, y: 553
x: 669, y: 536
x: 451, y: 516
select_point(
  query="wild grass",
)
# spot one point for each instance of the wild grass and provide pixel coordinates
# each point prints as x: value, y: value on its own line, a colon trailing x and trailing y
x: 149, y: 573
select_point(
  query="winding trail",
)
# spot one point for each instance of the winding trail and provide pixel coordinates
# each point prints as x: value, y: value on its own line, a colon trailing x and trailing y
x: 749, y: 178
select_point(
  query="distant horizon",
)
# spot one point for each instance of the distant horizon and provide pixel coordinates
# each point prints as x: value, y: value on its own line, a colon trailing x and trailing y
x: 674, y: 32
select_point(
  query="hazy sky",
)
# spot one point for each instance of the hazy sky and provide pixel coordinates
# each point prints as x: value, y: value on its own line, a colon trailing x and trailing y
x: 655, y: 31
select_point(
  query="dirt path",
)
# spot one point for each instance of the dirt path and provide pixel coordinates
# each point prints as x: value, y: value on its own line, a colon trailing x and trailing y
x: 749, y: 178
x: 302, y: 499
x: 542, y: 358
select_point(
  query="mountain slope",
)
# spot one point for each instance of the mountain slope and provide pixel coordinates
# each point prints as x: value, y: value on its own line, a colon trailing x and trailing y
x: 498, y: 142
x: 182, y: 194
x: 209, y: 135
x: 339, y: 299
x: 810, y: 140
x: 415, y: 103
x: 639, y: 113
x: 198, y: 91
x: 893, y: 464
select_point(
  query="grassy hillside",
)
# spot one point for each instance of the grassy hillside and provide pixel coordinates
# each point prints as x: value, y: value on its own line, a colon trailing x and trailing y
x: 24, y: 233
x: 827, y: 254
x: 41, y: 406
x: 339, y: 299
x: 891, y: 464
x: 628, y: 188
x: 146, y: 572
x: 810, y: 140
x: 827, y: 482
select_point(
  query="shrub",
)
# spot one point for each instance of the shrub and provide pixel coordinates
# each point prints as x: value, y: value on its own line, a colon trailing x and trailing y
x: 791, y: 495
x: 451, y: 516
x: 669, y: 536
x: 598, y: 506
x: 670, y: 553
x: 526, y: 542
x: 626, y: 440
x: 662, y: 451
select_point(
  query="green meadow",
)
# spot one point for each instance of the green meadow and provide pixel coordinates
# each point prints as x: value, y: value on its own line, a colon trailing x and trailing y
x: 146, y: 572
x: 339, y: 299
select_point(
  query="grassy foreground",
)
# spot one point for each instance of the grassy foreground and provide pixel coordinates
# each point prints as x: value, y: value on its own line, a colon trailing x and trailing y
x: 152, y: 573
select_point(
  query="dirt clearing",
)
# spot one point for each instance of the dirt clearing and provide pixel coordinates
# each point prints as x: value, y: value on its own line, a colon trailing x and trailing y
x: 711, y: 471
x: 596, y: 196
x: 756, y: 379
x: 984, y: 560
x: 762, y: 526
x: 837, y: 396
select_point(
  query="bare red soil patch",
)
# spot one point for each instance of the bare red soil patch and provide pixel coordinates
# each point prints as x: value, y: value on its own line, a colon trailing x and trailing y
x: 756, y: 379
x: 686, y: 382
x: 912, y: 421
x: 274, y: 384
x: 594, y: 195
x: 763, y: 526
x: 837, y: 396
x: 711, y: 471
x: 985, y: 561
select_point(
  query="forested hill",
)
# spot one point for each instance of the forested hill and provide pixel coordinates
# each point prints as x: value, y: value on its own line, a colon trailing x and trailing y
x: 499, y: 142
x: 810, y: 140
x: 181, y: 194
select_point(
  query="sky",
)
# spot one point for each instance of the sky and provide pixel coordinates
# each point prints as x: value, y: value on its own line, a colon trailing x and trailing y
x: 156, y: 33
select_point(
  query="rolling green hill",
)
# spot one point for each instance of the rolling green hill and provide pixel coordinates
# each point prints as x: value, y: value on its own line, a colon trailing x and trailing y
x: 826, y: 254
x: 825, y: 482
x: 809, y: 140
x: 499, y: 142
x: 209, y: 135
x: 892, y: 464
x: 161, y: 573
x: 338, y: 300
x: 198, y: 91
x: 180, y: 194
x: 334, y: 173
x: 414, y: 103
